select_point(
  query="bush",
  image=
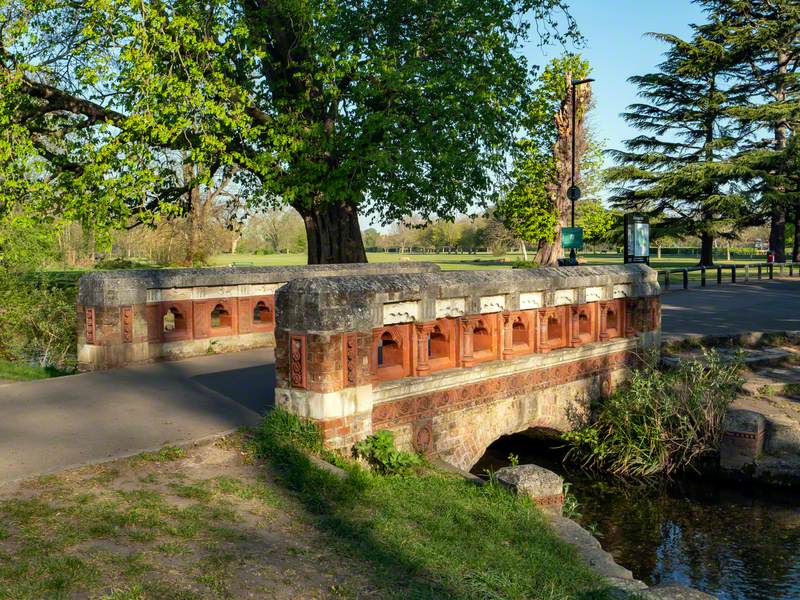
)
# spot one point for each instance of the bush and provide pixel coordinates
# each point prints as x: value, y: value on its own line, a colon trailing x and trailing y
x: 37, y: 322
x: 379, y: 451
x: 662, y: 422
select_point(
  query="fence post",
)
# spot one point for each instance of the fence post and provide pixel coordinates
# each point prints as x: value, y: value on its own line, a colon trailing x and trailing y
x: 686, y: 279
x: 719, y: 275
x: 733, y: 273
x: 702, y: 277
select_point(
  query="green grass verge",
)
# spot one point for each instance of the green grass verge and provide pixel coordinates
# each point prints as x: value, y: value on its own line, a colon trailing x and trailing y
x: 431, y: 534
x: 17, y: 372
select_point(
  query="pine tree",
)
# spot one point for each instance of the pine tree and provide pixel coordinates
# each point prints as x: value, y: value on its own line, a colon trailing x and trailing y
x: 678, y: 172
x: 763, y: 38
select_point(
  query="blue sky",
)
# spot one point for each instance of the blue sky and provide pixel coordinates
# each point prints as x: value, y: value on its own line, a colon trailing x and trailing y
x: 616, y: 47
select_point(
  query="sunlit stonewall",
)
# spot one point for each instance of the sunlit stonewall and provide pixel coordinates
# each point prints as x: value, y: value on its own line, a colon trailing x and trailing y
x: 450, y: 361
x: 142, y: 315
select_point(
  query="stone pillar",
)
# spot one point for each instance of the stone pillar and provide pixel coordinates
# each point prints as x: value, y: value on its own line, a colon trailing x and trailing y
x: 603, y: 323
x: 575, y: 326
x: 423, y: 335
x: 508, y: 336
x: 466, y: 348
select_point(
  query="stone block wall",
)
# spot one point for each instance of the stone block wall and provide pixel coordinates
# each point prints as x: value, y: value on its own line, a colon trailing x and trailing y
x: 451, y: 361
x: 141, y: 315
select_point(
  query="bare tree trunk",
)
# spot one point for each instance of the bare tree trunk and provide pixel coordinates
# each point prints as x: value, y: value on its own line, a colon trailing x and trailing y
x: 334, y: 235
x: 796, y: 242
x: 524, y: 250
x: 549, y: 252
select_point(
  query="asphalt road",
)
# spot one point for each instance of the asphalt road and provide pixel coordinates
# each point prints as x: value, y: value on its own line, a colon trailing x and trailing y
x: 762, y: 306
x: 53, y: 424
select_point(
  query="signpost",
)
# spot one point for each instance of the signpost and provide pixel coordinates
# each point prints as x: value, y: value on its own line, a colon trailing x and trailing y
x: 572, y: 238
x: 637, y: 239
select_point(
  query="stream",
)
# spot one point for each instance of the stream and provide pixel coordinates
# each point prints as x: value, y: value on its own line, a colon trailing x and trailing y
x: 730, y: 540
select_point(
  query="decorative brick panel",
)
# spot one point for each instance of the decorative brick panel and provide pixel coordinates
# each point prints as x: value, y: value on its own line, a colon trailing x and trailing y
x: 583, y: 324
x: 182, y: 316
x: 519, y: 333
x: 436, y: 345
x: 90, y: 325
x: 298, y: 370
x: 390, y: 356
x: 155, y: 326
x: 480, y: 339
x: 410, y: 409
x: 350, y: 360
x: 127, y: 324
x: 553, y: 329
x: 612, y: 319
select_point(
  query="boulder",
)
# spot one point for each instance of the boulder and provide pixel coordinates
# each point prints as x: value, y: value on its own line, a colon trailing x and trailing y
x: 544, y: 487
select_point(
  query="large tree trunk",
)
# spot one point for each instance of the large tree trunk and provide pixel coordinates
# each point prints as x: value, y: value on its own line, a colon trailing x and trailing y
x: 777, y: 233
x: 334, y: 235
x: 796, y: 243
x: 706, y: 249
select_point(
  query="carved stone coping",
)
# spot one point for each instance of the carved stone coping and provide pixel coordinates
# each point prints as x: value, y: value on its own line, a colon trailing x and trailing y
x: 362, y: 303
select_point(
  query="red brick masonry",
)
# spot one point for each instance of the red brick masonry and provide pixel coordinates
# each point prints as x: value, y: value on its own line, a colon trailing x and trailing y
x: 407, y: 410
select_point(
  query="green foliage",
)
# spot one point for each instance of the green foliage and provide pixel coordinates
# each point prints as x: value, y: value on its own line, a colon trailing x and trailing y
x: 528, y: 205
x: 330, y: 107
x: 661, y: 422
x: 596, y: 220
x: 379, y: 451
x: 679, y: 171
x: 281, y: 427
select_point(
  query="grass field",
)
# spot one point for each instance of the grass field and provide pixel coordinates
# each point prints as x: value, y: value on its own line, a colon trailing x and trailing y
x: 16, y: 372
x: 448, y: 261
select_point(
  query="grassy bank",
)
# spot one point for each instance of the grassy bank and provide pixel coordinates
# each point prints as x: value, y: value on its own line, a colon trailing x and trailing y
x: 11, y: 371
x: 428, y: 534
x: 217, y: 521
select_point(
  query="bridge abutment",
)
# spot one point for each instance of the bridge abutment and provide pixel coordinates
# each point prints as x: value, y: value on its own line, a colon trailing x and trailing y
x: 452, y: 361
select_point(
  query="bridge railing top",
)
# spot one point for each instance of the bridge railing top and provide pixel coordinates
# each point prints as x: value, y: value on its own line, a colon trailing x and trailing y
x: 129, y: 287
x: 338, y: 304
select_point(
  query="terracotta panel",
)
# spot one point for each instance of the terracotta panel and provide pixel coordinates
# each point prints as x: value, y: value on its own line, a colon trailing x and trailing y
x: 390, y: 356
x: 180, y: 325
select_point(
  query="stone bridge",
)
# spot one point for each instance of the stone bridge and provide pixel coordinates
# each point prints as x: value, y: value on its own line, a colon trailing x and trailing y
x: 138, y: 316
x: 452, y: 361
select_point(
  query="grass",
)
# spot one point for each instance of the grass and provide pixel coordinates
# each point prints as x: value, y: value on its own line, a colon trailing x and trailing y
x: 469, y: 261
x: 22, y: 372
x: 429, y: 535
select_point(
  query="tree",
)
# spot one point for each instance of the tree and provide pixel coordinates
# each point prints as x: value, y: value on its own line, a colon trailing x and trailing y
x: 535, y: 205
x: 595, y: 219
x: 678, y: 171
x: 763, y: 39
x: 371, y: 237
x: 338, y: 108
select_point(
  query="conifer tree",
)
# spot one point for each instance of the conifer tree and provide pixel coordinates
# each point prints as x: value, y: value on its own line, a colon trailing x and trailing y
x: 763, y: 39
x: 678, y: 170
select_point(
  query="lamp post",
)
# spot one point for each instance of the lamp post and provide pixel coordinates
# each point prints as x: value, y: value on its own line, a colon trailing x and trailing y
x: 574, y: 192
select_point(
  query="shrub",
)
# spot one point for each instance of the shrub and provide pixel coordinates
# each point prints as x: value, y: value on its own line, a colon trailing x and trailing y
x: 661, y: 422
x: 37, y: 322
x: 379, y: 451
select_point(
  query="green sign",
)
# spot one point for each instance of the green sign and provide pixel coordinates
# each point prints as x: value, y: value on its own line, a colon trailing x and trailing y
x: 572, y: 237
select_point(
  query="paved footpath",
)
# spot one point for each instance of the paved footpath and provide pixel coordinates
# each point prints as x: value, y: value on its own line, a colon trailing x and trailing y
x: 761, y: 306
x: 48, y: 425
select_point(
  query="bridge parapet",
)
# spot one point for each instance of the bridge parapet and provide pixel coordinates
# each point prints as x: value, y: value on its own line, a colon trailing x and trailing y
x: 451, y: 361
x: 140, y: 315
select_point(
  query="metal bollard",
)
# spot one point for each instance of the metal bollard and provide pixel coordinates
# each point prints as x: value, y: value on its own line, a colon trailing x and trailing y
x: 719, y: 275
x: 759, y: 272
x: 733, y: 273
x: 666, y: 280
x: 686, y: 279
x: 771, y: 268
x: 746, y: 273
x: 702, y: 277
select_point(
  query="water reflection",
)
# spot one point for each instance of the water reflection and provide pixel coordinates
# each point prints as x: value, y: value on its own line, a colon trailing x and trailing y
x: 727, y: 540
